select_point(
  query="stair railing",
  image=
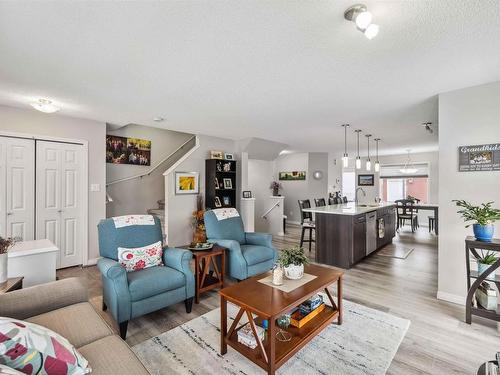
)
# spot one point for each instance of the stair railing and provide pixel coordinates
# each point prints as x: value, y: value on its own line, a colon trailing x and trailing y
x: 154, y: 168
x: 277, y: 204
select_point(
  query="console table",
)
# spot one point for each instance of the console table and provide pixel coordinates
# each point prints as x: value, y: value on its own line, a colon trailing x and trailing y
x: 472, y: 246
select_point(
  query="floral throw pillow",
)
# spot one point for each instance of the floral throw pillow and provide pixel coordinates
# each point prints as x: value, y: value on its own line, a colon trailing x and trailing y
x: 33, y: 349
x: 138, y: 258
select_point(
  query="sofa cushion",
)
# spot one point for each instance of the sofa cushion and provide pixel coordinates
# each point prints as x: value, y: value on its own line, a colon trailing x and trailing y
x: 33, y: 349
x: 111, y: 355
x: 79, y: 323
x: 138, y: 258
x: 152, y: 281
x: 227, y: 229
x: 254, y: 254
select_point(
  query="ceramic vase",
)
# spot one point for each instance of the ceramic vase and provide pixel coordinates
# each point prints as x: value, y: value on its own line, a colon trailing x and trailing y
x: 3, y: 267
x: 294, y: 272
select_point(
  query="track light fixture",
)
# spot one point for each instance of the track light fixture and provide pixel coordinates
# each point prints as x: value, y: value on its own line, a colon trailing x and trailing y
x: 363, y: 19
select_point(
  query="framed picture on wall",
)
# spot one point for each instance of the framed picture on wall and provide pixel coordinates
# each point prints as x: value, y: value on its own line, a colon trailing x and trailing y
x: 187, y: 182
x: 366, y: 179
x: 247, y: 194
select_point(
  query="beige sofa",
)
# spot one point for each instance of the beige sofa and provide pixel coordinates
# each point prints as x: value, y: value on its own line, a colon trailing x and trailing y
x: 63, y: 307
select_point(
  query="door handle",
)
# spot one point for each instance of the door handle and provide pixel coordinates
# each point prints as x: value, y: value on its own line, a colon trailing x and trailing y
x: 9, y: 213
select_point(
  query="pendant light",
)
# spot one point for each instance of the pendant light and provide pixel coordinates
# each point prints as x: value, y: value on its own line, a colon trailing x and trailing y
x: 358, y: 158
x: 368, y: 161
x: 408, y: 169
x: 377, y: 164
x: 345, y: 158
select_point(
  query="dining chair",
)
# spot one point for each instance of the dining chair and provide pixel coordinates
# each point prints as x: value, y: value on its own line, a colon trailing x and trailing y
x: 306, y: 222
x: 334, y: 200
x: 406, y: 212
x: 319, y: 202
x: 344, y: 199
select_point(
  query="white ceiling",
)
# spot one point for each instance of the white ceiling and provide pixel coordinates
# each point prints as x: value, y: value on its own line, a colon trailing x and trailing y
x: 287, y: 71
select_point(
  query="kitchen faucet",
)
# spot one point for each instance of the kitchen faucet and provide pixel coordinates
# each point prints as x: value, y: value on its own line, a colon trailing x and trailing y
x: 356, y: 200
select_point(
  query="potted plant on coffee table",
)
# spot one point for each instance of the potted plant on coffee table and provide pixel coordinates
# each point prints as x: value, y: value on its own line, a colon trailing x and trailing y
x: 292, y: 260
x: 482, y: 218
x: 5, y: 245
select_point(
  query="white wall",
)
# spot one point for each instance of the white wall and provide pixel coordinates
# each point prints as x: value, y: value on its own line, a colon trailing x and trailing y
x: 260, y: 175
x: 372, y: 192
x: 180, y: 207
x: 334, y: 172
x: 32, y: 122
x: 138, y: 195
x: 466, y: 117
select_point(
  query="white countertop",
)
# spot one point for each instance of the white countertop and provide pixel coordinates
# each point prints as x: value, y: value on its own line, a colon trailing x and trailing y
x: 32, y: 247
x: 349, y: 208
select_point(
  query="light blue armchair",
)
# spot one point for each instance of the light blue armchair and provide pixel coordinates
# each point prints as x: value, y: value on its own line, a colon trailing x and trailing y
x: 132, y: 294
x: 248, y: 254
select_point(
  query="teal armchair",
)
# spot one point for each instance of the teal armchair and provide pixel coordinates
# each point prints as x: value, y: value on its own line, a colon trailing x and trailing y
x: 132, y: 294
x: 248, y: 253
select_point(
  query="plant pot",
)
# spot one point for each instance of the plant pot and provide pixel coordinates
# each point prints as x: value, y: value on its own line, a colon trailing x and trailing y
x: 294, y: 272
x: 199, y: 235
x: 276, y: 192
x: 3, y: 267
x: 481, y: 268
x: 483, y: 232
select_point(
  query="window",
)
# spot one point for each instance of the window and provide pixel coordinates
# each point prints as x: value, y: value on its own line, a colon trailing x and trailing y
x: 396, y: 185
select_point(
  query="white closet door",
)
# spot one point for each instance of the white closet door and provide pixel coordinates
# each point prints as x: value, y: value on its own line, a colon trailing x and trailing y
x: 59, y: 199
x: 3, y: 187
x: 18, y: 182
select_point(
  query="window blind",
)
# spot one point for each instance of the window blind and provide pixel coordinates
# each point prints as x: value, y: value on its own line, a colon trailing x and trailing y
x: 394, y: 170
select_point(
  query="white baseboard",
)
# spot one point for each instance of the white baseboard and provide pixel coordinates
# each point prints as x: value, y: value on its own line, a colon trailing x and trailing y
x: 293, y: 222
x: 453, y: 298
x: 92, y: 262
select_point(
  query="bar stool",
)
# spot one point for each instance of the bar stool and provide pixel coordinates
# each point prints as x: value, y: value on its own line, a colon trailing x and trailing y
x: 432, y: 224
x: 306, y: 222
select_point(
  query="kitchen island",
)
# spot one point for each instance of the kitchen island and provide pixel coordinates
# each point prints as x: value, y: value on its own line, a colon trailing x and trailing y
x: 346, y: 233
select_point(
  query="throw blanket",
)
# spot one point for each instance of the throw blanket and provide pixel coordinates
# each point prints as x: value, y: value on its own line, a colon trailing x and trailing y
x: 128, y: 220
x: 225, y: 213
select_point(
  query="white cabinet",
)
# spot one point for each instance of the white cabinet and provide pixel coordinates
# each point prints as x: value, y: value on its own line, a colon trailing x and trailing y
x: 17, y: 187
x: 59, y: 199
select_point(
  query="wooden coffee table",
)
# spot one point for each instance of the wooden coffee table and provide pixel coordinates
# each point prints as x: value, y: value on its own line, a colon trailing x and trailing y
x: 253, y: 297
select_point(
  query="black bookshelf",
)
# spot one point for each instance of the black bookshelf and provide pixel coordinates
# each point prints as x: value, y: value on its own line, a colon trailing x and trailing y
x: 217, y: 175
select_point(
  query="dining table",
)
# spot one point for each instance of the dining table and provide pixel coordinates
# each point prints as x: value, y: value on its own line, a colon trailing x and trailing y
x: 430, y: 207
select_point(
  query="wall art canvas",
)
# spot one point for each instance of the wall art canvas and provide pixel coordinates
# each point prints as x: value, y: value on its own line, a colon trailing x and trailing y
x: 187, y: 182
x: 123, y: 150
x: 292, y: 176
x: 479, y: 158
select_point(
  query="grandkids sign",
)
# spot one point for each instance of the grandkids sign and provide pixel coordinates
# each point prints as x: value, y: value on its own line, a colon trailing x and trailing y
x: 479, y: 158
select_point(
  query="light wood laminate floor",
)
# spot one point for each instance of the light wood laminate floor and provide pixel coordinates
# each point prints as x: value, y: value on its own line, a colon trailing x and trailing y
x: 437, y: 342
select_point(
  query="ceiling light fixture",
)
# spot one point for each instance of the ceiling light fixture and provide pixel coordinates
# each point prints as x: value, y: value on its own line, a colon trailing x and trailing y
x: 368, y: 161
x: 358, y: 158
x: 345, y: 158
x: 407, y: 169
x: 45, y: 106
x: 158, y: 119
x: 377, y: 163
x: 363, y: 19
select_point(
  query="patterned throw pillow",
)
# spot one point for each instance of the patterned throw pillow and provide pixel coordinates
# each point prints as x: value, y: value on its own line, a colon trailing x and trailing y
x: 138, y: 258
x: 5, y: 370
x: 33, y: 349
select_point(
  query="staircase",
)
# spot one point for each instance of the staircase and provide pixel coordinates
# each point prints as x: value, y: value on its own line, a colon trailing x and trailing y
x: 159, y: 212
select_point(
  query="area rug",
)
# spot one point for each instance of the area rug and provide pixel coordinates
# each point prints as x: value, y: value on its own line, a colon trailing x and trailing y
x: 393, y: 251
x: 365, y: 343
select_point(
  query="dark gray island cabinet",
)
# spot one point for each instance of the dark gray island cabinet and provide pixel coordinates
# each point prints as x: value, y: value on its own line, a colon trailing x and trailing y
x: 347, y: 233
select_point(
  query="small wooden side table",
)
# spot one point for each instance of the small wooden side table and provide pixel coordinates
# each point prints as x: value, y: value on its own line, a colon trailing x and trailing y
x: 205, y: 278
x: 12, y: 283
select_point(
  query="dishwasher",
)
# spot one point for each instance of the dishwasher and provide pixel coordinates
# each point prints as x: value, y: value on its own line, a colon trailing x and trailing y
x: 371, y: 232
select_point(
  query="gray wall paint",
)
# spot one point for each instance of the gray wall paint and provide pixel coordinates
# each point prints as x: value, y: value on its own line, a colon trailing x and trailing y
x: 260, y: 175
x: 308, y: 189
x: 180, y: 207
x: 138, y: 195
x: 466, y: 117
x: 31, y: 122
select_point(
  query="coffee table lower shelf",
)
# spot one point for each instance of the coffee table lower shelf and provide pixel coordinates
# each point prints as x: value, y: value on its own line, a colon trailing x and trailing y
x: 285, y: 349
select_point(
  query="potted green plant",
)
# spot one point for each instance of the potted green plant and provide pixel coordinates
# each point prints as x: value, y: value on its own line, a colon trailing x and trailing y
x: 292, y: 260
x: 481, y: 218
x: 5, y: 245
x: 484, y: 262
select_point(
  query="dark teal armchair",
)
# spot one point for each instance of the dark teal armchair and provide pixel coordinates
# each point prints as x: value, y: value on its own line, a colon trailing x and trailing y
x: 132, y: 294
x: 248, y: 253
